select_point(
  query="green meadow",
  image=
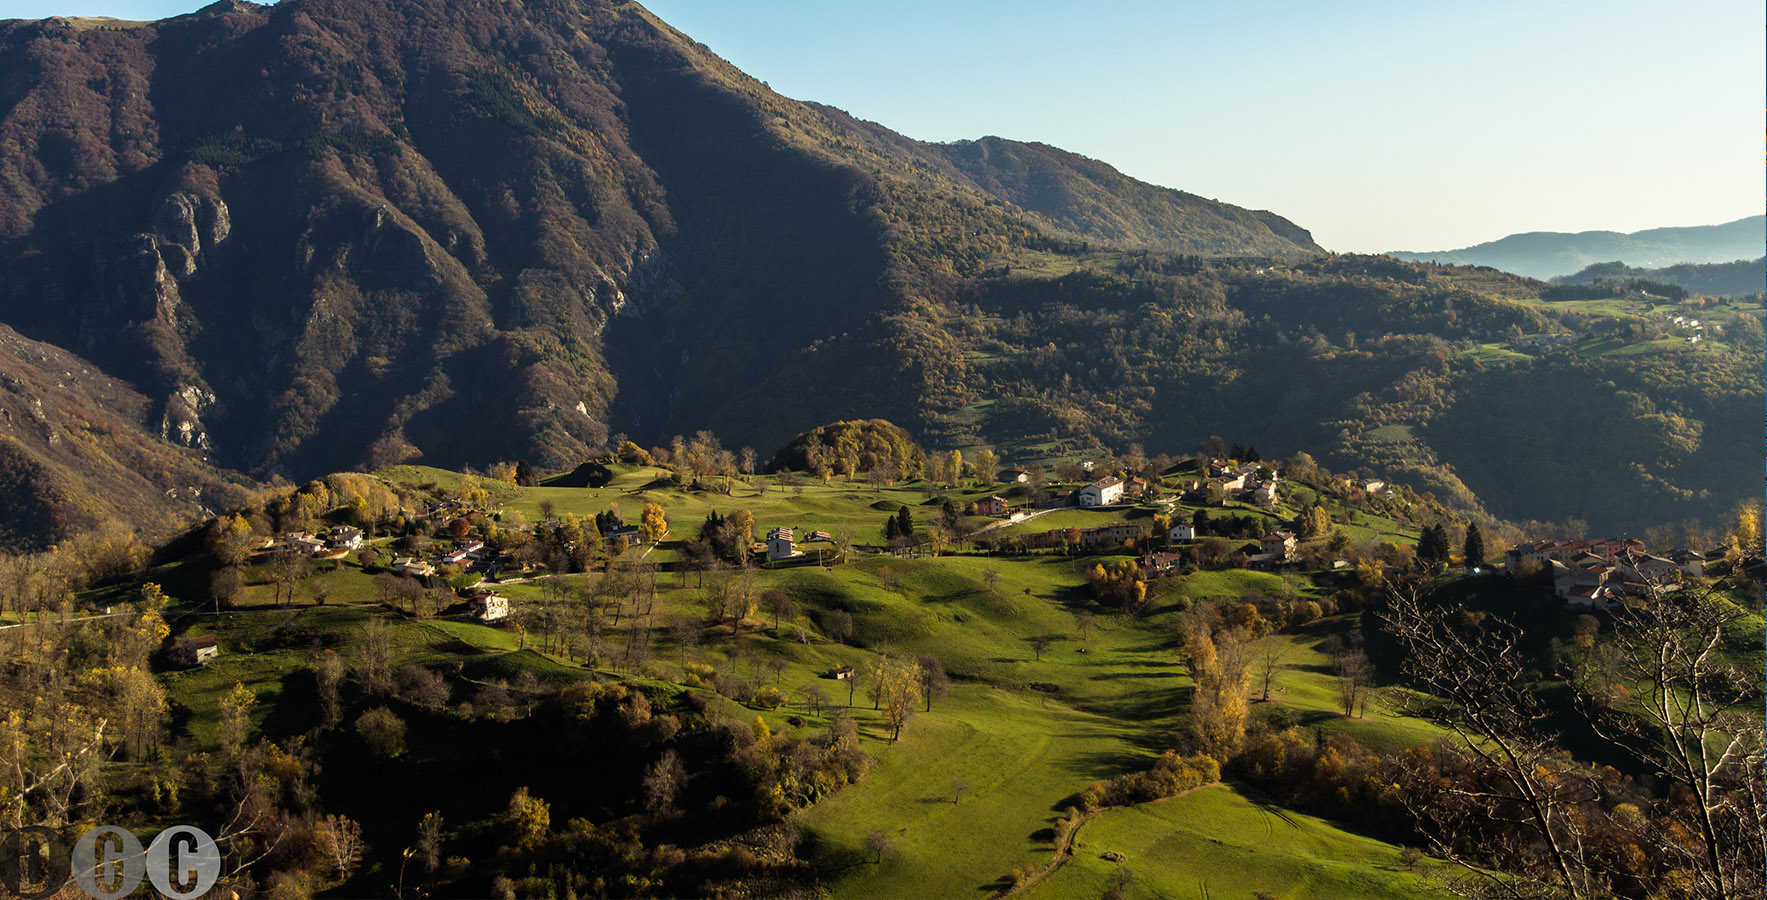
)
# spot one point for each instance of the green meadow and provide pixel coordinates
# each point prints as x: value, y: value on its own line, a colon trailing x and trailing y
x: 1220, y: 841
x: 1049, y: 693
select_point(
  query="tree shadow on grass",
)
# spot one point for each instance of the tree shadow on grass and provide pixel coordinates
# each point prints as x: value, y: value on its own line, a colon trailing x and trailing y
x: 827, y: 857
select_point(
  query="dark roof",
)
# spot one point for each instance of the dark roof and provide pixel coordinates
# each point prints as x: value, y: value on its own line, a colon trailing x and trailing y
x: 202, y: 643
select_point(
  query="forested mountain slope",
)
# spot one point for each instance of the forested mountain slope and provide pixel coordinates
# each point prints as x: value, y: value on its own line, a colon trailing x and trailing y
x: 329, y: 234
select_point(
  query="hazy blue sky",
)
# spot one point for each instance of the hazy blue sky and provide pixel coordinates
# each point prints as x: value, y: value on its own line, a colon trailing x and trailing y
x: 1377, y: 125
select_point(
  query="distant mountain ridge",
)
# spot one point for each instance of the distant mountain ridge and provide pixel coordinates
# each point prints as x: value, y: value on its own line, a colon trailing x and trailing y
x: 1731, y: 279
x: 1549, y: 254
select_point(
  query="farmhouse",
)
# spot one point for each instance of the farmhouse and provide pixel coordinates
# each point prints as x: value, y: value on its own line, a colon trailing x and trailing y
x: 1102, y: 492
x: 346, y: 537
x: 779, y: 543
x: 407, y: 565
x: 1692, y: 562
x: 300, y: 542
x: 1161, y: 563
x: 204, y: 649
x: 993, y: 506
x: 1017, y: 475
x: 1184, y: 531
x: 625, y: 536
x: 1279, y: 544
x: 490, y: 606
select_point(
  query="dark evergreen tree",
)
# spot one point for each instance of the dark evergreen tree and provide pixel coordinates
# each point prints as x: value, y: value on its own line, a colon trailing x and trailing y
x: 1432, y: 544
x: 1475, y: 545
x: 892, y: 528
x: 905, y: 522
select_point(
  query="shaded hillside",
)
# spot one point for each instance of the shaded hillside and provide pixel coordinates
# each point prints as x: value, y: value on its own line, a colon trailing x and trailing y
x: 1547, y: 254
x: 1731, y: 279
x: 1418, y: 371
x: 342, y: 233
x: 383, y: 231
x: 76, y: 451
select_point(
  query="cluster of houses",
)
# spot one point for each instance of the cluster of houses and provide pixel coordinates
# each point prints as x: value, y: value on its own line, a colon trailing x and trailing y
x: 470, y: 556
x: 1601, y: 573
x: 1114, y: 534
x: 1235, y: 480
x: 1274, y: 549
x: 340, y: 539
x: 1692, y: 325
x: 1106, y: 491
x: 782, y: 542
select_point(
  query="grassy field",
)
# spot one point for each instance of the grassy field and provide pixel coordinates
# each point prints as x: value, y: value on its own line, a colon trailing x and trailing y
x: 1024, y: 727
x: 1219, y: 842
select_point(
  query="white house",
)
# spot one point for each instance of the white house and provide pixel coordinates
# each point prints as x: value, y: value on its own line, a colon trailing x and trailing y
x: 406, y: 565
x: 204, y: 648
x: 1102, y: 492
x: 1184, y: 531
x: 1692, y: 562
x: 490, y: 606
x: 779, y: 543
x: 1265, y: 495
x: 346, y: 537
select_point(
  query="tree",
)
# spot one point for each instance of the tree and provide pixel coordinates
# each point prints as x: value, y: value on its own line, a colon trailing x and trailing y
x: 1666, y: 686
x: 328, y: 673
x: 1484, y: 693
x: 655, y: 522
x: 341, y: 839
x: 663, y: 781
x: 1355, y: 674
x: 225, y: 586
x: 838, y: 625
x: 1474, y: 550
x: 1270, y: 655
x: 1432, y: 544
x: 959, y: 787
x: 1040, y: 643
x: 429, y: 842
x: 1218, y: 709
x: 905, y: 522
x: 901, y: 692
x: 876, y: 842
x: 933, y: 680
x: 954, y: 466
x: 779, y: 604
x: 986, y: 465
x: 383, y: 731
x: 235, y: 720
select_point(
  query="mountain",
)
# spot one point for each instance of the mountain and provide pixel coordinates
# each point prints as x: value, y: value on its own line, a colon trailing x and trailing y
x: 339, y: 234
x: 1731, y: 279
x: 364, y: 233
x: 1548, y: 254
